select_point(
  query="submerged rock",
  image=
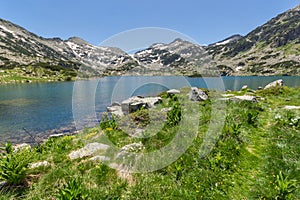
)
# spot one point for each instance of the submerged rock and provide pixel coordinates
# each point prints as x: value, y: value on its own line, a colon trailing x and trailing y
x: 274, y: 84
x: 197, y: 94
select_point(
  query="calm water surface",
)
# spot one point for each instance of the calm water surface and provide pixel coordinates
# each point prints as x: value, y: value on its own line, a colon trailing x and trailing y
x: 46, y: 108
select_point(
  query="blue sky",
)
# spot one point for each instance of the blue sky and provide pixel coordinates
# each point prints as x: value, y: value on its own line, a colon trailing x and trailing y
x: 206, y: 21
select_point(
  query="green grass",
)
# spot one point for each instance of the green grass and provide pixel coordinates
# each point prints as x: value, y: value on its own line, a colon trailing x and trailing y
x: 36, y: 74
x: 255, y: 156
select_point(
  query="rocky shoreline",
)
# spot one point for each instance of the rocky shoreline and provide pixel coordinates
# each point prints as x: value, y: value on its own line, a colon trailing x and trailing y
x: 135, y: 103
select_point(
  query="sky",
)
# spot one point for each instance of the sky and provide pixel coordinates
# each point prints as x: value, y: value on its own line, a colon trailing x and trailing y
x: 206, y: 21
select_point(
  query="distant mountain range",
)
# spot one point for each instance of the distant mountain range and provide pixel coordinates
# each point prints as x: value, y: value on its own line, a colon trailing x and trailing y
x: 271, y: 49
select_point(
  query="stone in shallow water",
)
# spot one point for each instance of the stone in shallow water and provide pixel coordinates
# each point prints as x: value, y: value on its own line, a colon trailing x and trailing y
x: 56, y: 135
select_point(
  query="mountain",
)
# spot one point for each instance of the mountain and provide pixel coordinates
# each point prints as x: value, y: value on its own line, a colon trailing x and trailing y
x: 230, y: 39
x: 270, y: 49
x: 21, y: 48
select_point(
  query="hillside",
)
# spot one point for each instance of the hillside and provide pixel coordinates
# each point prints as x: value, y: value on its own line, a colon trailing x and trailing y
x: 271, y: 49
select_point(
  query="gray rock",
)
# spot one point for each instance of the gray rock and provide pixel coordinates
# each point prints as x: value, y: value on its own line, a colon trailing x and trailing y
x: 115, y: 104
x: 245, y: 87
x: 99, y: 158
x: 244, y: 98
x: 259, y: 88
x: 291, y: 107
x: 56, y: 135
x: 135, y: 103
x: 2, y: 184
x: 173, y: 91
x: 89, y: 150
x: 116, y: 110
x: 197, y: 94
x: 227, y: 95
x: 20, y: 147
x: 39, y: 164
x: 130, y: 148
x: 274, y: 84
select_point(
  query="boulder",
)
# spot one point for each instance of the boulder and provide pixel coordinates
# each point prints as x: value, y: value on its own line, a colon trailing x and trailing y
x: 115, y: 104
x: 274, y: 84
x: 89, y: 150
x: 244, y: 98
x: 130, y: 148
x: 135, y: 103
x: 173, y: 91
x: 291, y: 107
x: 245, y: 87
x: 20, y: 147
x: 115, y: 110
x: 197, y: 94
x: 99, y: 158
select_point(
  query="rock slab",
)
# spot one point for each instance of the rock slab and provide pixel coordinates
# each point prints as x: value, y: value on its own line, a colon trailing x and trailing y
x: 197, y: 94
x: 278, y: 82
x: 89, y: 150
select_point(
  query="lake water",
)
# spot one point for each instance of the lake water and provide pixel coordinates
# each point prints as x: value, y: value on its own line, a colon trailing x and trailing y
x: 46, y: 108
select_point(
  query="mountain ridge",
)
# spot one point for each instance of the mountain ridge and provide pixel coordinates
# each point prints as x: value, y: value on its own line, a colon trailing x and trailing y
x: 270, y: 49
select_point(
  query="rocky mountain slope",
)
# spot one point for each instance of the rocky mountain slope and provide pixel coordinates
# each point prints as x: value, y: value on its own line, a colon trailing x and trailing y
x: 271, y: 49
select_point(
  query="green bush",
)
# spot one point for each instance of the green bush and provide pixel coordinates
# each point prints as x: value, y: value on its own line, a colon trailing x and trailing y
x: 284, y: 187
x: 109, y: 122
x: 174, y: 115
x: 14, y: 165
x: 141, y: 117
x: 72, y: 190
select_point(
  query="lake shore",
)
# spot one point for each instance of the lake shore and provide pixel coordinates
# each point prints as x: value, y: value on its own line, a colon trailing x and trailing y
x: 249, y: 153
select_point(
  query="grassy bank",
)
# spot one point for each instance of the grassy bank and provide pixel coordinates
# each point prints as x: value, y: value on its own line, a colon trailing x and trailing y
x: 36, y: 73
x: 255, y: 156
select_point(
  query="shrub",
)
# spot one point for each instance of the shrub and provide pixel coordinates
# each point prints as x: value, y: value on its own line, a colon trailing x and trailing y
x: 108, y: 122
x: 284, y: 187
x: 14, y: 165
x: 72, y: 190
x: 141, y: 117
x: 174, y: 115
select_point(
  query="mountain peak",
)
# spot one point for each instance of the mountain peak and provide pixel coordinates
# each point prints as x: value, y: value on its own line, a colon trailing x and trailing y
x: 77, y: 40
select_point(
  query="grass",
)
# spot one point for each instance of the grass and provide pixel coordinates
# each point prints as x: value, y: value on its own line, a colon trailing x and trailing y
x: 255, y: 155
x: 36, y: 74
